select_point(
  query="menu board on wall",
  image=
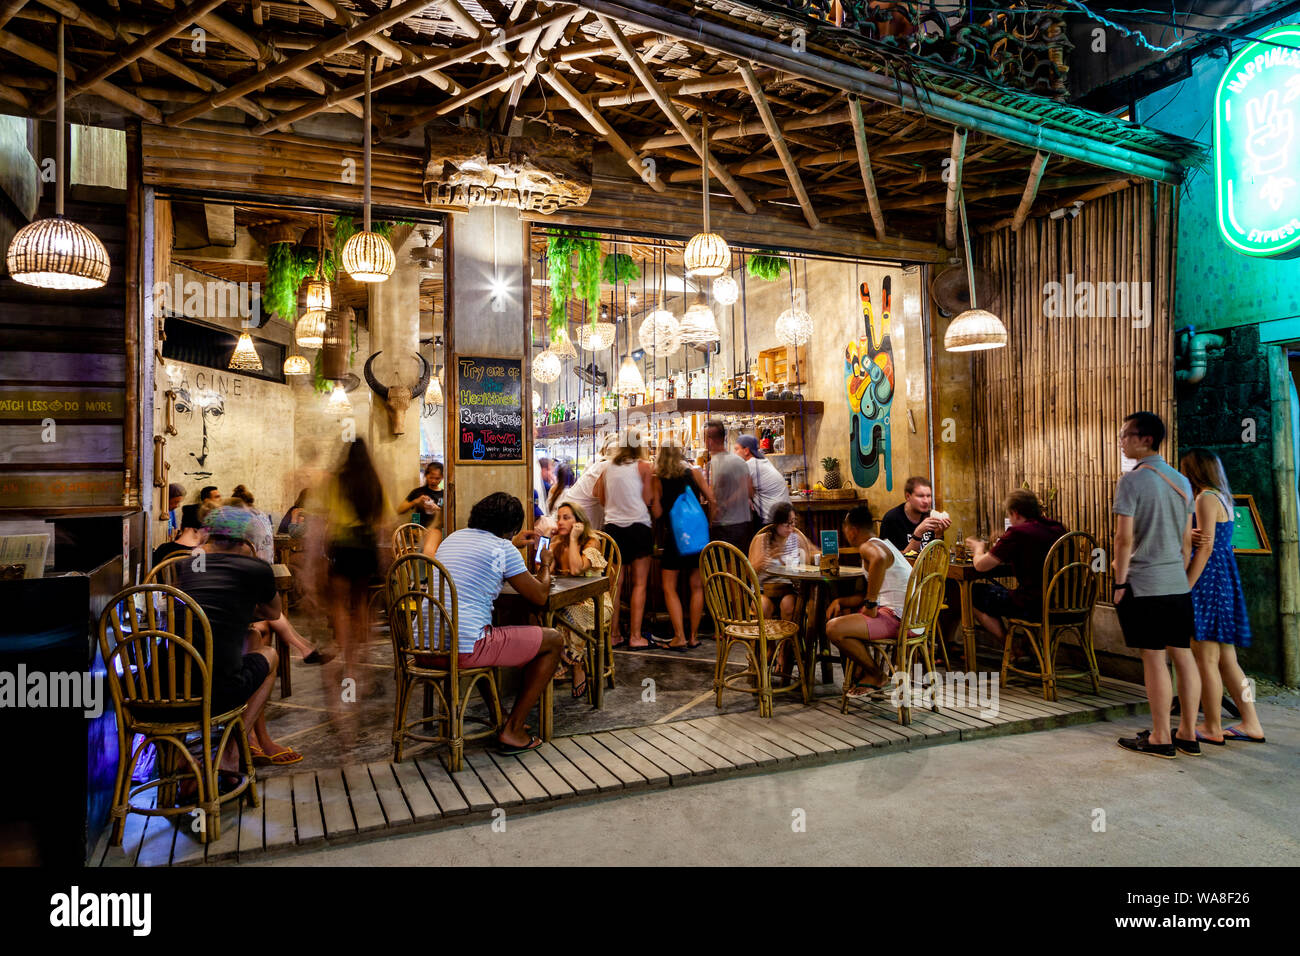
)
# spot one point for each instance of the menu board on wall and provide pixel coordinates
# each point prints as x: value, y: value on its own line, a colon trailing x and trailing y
x: 489, y: 393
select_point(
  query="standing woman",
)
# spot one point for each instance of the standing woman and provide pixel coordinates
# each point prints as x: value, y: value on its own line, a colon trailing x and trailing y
x: 626, y: 489
x: 575, y: 551
x: 564, y: 479
x: 356, y: 506
x: 672, y: 476
x: 1222, y: 624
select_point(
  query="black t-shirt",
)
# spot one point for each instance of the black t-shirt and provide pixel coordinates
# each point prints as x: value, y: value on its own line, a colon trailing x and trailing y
x: 228, y: 588
x: 897, y: 528
x: 168, y: 549
x: 418, y: 516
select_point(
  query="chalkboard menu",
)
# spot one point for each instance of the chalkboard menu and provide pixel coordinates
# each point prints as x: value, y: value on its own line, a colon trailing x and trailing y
x: 489, y: 394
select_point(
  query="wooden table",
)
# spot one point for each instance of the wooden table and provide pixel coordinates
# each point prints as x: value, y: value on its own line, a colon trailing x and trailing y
x: 965, y: 575
x: 809, y: 578
x: 565, y: 592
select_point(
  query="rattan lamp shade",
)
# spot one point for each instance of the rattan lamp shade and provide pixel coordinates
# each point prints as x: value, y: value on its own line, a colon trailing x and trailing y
x: 726, y: 290
x: 57, y: 253
x: 699, y: 326
x: 337, y: 343
x: 297, y: 365
x: 975, y: 330
x: 339, y: 403
x: 546, y: 366
x: 309, y: 332
x: 318, y: 296
x: 707, y: 255
x: 794, y: 326
x: 660, y: 333
x: 245, y: 357
x: 630, y: 381
x: 562, y: 345
x: 368, y: 257
x: 597, y: 337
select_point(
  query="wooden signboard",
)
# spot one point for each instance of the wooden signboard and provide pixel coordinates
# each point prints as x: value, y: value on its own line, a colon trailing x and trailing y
x: 1248, y: 535
x: 490, y: 415
x: 60, y: 489
x: 62, y: 403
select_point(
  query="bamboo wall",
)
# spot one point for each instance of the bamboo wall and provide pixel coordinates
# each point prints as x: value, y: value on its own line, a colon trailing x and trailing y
x: 1049, y: 407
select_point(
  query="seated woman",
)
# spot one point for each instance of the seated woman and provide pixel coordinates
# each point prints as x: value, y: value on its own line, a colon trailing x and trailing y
x: 574, y: 551
x: 773, y: 547
x: 887, y: 572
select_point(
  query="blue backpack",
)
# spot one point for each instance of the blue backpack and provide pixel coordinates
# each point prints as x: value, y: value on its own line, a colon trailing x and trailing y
x: 690, y: 525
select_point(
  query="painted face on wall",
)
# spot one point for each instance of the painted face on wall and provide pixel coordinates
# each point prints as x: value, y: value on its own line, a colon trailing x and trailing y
x: 211, y: 407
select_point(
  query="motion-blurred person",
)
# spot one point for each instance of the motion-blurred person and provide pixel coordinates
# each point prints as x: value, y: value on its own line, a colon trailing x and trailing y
x: 672, y: 477
x: 625, y: 491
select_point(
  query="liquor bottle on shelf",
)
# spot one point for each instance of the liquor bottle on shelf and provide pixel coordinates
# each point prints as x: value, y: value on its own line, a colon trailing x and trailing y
x: 672, y: 386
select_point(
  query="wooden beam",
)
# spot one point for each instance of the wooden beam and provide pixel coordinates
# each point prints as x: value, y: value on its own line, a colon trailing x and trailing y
x: 864, y: 165
x: 499, y: 82
x: 458, y: 15
x: 588, y: 112
x: 382, y: 44
x: 666, y: 105
x: 220, y: 220
x: 954, y: 188
x: 8, y: 9
x: 740, y: 130
x: 205, y: 83
x: 1043, y: 208
x: 17, y: 97
x: 778, y: 143
x: 42, y: 57
x: 1031, y: 191
x: 146, y: 44
x: 534, y: 49
x: 997, y: 192
x: 326, y: 48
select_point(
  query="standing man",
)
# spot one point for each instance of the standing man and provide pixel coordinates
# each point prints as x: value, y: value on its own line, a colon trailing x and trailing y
x: 1153, y: 546
x: 729, y: 478
x: 425, y: 502
x: 911, y: 525
x: 768, y: 486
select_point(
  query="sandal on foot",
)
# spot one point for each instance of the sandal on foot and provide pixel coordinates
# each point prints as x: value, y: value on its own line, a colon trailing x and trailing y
x: 510, y: 750
x: 1236, y: 733
x: 1209, y: 740
x: 284, y: 757
x: 580, y: 690
x: 260, y: 758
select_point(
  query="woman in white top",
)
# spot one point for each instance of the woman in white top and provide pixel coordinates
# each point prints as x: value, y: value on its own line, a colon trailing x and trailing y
x: 881, y: 609
x: 626, y: 490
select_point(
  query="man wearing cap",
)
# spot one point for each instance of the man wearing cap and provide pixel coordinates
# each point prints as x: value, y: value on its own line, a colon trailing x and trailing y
x: 175, y: 495
x: 235, y: 588
x: 769, y: 488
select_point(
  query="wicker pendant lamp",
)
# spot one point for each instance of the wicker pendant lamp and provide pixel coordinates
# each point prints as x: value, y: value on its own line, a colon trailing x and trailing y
x: 707, y: 254
x: 546, y: 366
x: 630, y: 381
x: 975, y: 329
x: 562, y: 345
x: 726, y: 290
x: 367, y: 256
x: 297, y: 365
x: 339, y: 403
x: 245, y: 357
x: 58, y: 253
x: 433, y: 394
x: 699, y: 327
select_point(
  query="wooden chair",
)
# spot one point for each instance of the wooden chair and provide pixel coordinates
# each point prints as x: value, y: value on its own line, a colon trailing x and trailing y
x: 423, y: 618
x: 408, y: 539
x: 732, y: 593
x: 916, y: 631
x: 164, y: 572
x: 1070, y: 590
x: 157, y: 648
x: 613, y: 568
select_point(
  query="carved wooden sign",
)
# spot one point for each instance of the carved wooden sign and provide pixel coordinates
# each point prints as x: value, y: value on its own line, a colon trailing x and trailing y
x: 477, y: 168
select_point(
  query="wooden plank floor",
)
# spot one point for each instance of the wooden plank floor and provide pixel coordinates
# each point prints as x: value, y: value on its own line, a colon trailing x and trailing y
x: 372, y: 801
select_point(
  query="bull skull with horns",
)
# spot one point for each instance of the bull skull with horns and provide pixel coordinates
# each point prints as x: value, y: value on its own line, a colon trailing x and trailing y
x: 397, y: 398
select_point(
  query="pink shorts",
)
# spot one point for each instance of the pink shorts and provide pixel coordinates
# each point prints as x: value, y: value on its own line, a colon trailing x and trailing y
x: 884, y: 626
x: 504, y: 647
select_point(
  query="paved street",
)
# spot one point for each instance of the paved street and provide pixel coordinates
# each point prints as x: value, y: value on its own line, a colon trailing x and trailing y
x: 1017, y: 800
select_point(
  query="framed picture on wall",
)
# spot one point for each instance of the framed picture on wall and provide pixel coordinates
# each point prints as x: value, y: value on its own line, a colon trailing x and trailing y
x: 1248, y: 535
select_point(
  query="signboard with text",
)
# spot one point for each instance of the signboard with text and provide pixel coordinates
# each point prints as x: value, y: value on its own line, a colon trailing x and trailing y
x: 1257, y: 147
x: 490, y: 414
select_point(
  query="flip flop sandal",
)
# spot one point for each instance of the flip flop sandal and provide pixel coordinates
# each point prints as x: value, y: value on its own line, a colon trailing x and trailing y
x: 285, y: 757
x: 260, y: 758
x: 1235, y: 733
x: 507, y: 750
x: 1210, y: 740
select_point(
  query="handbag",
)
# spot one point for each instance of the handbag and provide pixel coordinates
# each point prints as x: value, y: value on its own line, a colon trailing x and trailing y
x: 690, y: 525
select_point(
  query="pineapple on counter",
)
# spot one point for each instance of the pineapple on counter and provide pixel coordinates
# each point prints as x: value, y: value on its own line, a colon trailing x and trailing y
x: 832, y: 479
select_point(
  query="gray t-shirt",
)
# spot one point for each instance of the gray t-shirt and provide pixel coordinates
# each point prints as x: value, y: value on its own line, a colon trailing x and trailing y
x: 727, y: 474
x: 1159, y: 516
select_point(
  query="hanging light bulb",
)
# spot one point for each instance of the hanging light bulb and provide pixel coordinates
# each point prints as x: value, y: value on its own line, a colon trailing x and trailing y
x: 707, y: 254
x: 546, y: 366
x: 794, y: 326
x: 367, y: 256
x: 245, y: 357
x: 975, y: 329
x: 726, y: 290
x: 660, y: 333
x: 297, y: 365
x: 309, y: 331
x: 630, y: 381
x: 339, y: 403
x: 631, y: 300
x: 699, y: 325
x: 562, y: 346
x: 57, y: 253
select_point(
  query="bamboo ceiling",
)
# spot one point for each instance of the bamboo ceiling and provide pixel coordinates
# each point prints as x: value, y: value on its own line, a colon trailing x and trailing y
x: 787, y: 139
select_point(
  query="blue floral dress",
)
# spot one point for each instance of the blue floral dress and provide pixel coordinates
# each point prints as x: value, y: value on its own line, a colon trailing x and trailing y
x: 1217, y: 599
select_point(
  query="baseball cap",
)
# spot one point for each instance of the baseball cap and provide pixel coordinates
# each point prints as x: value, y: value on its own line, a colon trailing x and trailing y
x: 232, y: 524
x: 751, y: 443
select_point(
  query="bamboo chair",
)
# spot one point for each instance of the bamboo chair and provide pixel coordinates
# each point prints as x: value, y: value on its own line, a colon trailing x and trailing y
x: 916, y: 631
x: 732, y: 593
x: 1070, y: 590
x: 408, y: 539
x: 927, y: 563
x: 613, y: 568
x: 157, y: 648
x: 164, y: 572
x: 423, y: 618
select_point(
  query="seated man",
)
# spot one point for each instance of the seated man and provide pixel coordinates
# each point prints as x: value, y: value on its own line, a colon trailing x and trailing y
x: 887, y: 572
x: 189, y: 537
x: 479, y: 559
x: 1024, y: 546
x: 235, y: 588
x: 912, y: 525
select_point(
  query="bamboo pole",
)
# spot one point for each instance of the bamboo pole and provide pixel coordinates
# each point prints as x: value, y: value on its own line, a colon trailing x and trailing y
x: 954, y: 188
x: 864, y: 167
x: 17, y: 97
x: 114, y: 94
x: 383, y: 45
x: 666, y: 105
x: 584, y: 108
x: 8, y: 9
x: 498, y: 82
x: 778, y: 143
x: 739, y: 130
x: 458, y: 15
x: 534, y: 49
x: 205, y: 83
x: 1031, y: 191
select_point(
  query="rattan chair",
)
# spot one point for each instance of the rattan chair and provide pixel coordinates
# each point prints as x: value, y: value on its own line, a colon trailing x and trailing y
x: 613, y: 568
x: 408, y: 539
x: 422, y: 618
x: 916, y: 630
x: 157, y: 648
x: 732, y: 593
x: 1070, y: 590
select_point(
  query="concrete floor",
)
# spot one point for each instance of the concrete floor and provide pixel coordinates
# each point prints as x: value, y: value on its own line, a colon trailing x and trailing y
x: 1020, y: 800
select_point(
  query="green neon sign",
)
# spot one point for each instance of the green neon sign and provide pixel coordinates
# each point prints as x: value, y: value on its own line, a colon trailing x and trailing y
x: 1257, y: 147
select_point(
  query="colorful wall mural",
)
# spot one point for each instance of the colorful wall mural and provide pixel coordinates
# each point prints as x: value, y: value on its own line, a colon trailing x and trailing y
x: 869, y: 382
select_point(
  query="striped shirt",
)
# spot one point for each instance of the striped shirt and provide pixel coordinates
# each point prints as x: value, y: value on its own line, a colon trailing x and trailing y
x: 479, y: 563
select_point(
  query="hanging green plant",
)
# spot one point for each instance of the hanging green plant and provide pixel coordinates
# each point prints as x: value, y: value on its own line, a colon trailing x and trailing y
x: 344, y: 227
x: 306, y: 258
x: 767, y: 267
x: 589, y: 271
x: 560, y: 251
x: 280, y: 296
x: 619, y: 267
x: 320, y: 383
